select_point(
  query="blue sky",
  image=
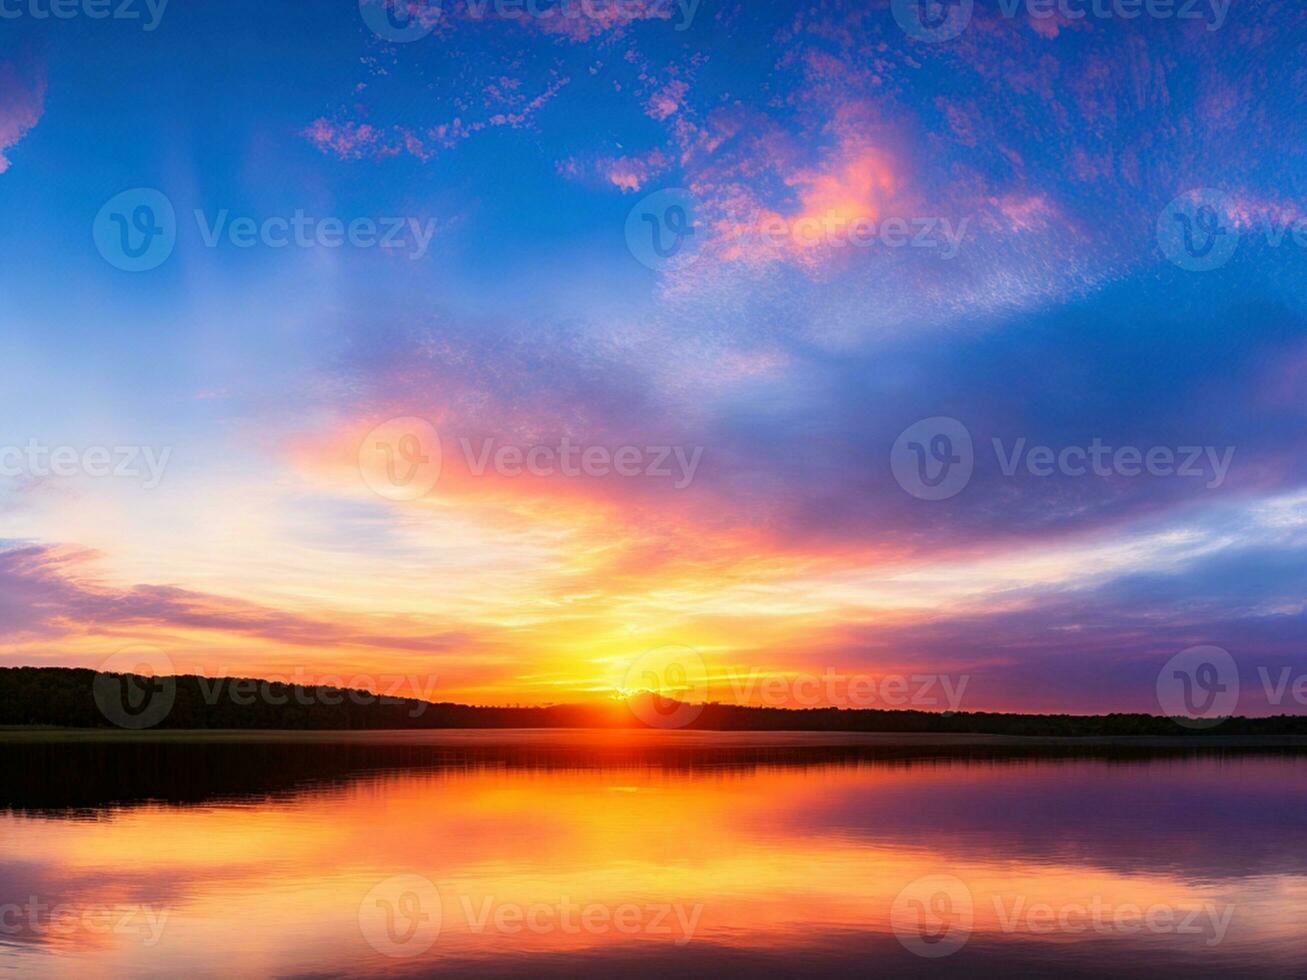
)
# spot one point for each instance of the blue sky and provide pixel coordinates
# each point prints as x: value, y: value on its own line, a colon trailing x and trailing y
x: 886, y: 231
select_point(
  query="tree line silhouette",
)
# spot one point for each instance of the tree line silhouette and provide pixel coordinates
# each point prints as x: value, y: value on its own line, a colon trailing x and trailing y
x: 62, y: 697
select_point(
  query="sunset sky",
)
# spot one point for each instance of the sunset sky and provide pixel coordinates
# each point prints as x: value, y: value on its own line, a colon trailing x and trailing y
x: 1031, y: 159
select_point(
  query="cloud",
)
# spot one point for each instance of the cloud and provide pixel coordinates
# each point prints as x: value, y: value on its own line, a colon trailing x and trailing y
x: 668, y: 99
x: 627, y: 173
x: 22, y: 103
x: 51, y: 591
x: 350, y: 139
x: 579, y: 22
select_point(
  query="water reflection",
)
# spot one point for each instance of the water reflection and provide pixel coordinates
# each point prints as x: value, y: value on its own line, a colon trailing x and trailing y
x: 652, y: 854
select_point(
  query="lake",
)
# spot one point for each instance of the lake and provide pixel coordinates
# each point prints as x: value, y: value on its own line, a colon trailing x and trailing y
x: 654, y: 854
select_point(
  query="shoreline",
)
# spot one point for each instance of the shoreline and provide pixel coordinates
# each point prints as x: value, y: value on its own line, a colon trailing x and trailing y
x: 602, y: 738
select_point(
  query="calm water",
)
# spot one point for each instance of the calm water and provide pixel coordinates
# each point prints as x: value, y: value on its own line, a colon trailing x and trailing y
x: 652, y: 854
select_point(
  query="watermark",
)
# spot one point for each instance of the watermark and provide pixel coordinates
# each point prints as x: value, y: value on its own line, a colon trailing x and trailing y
x: 835, y: 689
x: 136, y: 689
x: 148, y: 11
x: 331, y: 690
x: 1201, y: 229
x: 933, y: 916
x: 301, y: 230
x: 1283, y: 682
x: 37, y: 459
x: 936, y: 915
x: 668, y: 687
x: 136, y: 231
x: 573, y: 460
x: 1212, y: 12
x: 1200, y: 687
x: 405, y: 21
x: 935, y: 459
x: 673, y: 920
x: 1207, y: 921
x: 402, y: 459
x: 403, y: 916
x: 1206, y: 463
x: 603, y: 12
x: 36, y: 918
x: 401, y: 21
x: 934, y: 21
x: 865, y: 232
x: 663, y: 228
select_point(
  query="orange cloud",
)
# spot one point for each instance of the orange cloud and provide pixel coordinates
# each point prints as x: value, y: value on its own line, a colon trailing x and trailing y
x: 856, y: 188
x: 848, y: 194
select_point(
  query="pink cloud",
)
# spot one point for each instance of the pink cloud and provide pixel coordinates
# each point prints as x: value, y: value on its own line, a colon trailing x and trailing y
x: 579, y: 22
x: 808, y: 211
x: 1053, y: 22
x: 627, y: 173
x: 351, y: 140
x: 1024, y: 212
x: 52, y: 591
x: 1249, y: 212
x: 348, y: 140
x: 667, y: 101
x: 22, y: 102
x: 586, y: 21
x: 632, y: 173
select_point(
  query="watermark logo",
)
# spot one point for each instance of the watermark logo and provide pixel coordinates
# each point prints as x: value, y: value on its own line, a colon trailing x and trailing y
x: 136, y: 231
x: 301, y: 230
x: 940, y: 234
x: 136, y: 687
x: 400, y: 21
x: 666, y: 687
x: 1020, y: 916
x: 1275, y: 688
x: 1202, y: 228
x: 401, y: 916
x: 944, y: 20
x: 90, y: 9
x: 1195, y: 230
x: 39, y: 460
x: 1208, y: 463
x: 663, y: 228
x: 933, y: 916
x: 401, y: 458
x: 1073, y: 10
x: 38, y: 919
x: 1199, y: 687
x: 573, y: 460
x: 834, y: 689
x: 413, y: 691
x: 603, y: 12
x: 565, y: 917
x: 933, y: 20
x: 934, y: 458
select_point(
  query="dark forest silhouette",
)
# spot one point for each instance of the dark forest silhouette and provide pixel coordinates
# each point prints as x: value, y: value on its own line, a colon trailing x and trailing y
x: 61, y: 697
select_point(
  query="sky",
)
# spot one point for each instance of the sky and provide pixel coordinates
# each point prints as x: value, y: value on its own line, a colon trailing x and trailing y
x: 497, y: 348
